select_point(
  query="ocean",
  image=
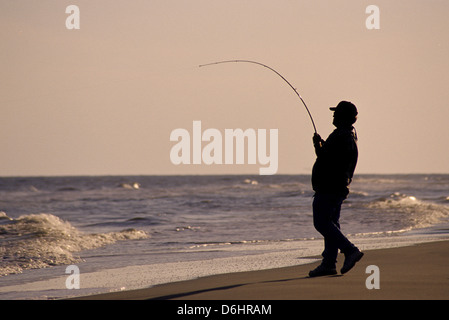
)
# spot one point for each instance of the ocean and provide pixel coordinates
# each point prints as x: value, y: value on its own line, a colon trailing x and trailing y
x: 128, y: 232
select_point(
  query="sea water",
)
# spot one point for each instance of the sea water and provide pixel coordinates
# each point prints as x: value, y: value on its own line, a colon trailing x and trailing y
x: 127, y: 232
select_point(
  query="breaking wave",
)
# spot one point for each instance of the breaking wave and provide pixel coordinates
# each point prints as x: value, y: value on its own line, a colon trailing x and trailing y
x: 42, y: 240
x: 415, y: 212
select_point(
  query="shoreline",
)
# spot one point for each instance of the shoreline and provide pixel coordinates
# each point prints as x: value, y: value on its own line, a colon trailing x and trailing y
x: 418, y: 271
x: 50, y: 283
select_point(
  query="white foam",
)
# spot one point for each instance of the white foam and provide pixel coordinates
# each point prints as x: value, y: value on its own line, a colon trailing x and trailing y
x: 41, y: 240
x: 420, y: 214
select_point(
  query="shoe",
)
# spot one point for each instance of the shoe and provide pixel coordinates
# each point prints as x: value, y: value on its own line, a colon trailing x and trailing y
x: 350, y: 260
x: 322, y: 270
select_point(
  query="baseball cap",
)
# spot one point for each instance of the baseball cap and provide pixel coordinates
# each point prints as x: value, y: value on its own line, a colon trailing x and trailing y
x: 346, y: 108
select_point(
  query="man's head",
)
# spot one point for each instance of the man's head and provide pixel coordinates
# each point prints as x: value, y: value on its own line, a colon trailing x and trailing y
x: 345, y: 114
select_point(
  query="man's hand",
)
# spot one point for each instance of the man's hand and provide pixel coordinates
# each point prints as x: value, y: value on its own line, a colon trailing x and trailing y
x: 317, y: 139
x: 317, y: 143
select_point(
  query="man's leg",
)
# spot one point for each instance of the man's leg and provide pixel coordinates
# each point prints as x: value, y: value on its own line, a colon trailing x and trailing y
x: 326, y: 214
x: 330, y: 252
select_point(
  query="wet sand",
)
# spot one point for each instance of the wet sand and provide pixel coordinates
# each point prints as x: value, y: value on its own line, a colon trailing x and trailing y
x: 415, y: 272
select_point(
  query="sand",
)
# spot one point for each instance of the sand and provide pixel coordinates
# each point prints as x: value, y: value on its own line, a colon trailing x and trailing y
x: 415, y: 272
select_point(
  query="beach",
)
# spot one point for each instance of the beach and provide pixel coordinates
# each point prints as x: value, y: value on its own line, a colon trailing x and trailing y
x: 202, y: 237
x: 412, y: 272
x: 197, y: 150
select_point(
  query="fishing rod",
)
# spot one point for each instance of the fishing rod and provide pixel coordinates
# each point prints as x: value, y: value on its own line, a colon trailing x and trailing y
x: 263, y: 65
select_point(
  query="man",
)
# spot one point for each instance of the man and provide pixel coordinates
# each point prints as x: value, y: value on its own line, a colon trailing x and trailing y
x: 331, y: 175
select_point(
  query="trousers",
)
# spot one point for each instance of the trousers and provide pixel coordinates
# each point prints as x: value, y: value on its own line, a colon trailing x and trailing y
x: 326, y: 216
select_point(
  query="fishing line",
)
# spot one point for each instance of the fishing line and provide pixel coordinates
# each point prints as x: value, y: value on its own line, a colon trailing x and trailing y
x: 263, y: 65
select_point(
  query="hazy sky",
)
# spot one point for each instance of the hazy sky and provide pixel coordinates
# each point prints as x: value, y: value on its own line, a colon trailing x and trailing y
x: 104, y: 99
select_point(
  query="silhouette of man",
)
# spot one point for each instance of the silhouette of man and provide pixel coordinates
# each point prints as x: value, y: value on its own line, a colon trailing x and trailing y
x: 331, y: 175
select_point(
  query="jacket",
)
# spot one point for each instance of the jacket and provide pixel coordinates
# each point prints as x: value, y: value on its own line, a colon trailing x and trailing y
x: 335, y: 164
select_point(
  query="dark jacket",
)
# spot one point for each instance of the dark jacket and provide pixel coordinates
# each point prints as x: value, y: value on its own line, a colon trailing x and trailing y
x: 336, y: 161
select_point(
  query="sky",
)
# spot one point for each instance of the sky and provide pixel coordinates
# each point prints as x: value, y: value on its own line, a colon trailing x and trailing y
x: 104, y: 99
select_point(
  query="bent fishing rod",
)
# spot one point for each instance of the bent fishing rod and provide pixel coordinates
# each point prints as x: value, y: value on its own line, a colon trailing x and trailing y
x: 265, y: 66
